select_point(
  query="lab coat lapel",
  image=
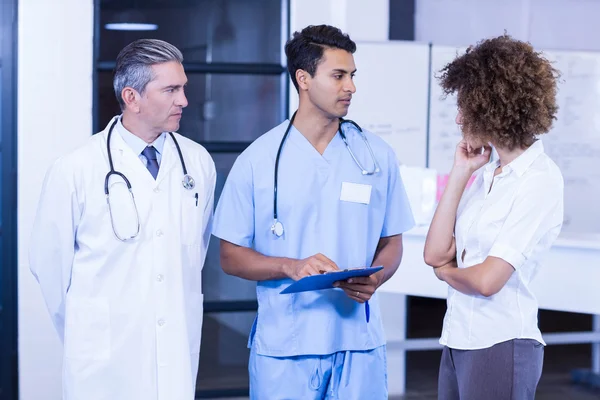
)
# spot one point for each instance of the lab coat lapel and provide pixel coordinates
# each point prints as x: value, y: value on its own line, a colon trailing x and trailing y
x: 128, y: 163
x: 169, y: 159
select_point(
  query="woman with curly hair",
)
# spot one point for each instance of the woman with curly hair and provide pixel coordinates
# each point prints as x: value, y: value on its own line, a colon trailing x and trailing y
x: 486, y: 242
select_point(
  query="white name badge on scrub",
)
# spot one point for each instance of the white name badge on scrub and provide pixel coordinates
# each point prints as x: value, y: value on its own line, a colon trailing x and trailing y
x: 356, y: 193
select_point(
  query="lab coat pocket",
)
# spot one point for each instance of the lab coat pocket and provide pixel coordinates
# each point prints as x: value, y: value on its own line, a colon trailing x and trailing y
x: 192, y: 214
x: 194, y: 321
x: 87, y: 329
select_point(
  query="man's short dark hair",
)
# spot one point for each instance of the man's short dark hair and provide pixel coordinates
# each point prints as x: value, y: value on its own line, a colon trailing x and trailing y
x: 305, y: 49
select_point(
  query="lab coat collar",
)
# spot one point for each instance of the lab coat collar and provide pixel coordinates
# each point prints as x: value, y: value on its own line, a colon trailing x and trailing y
x: 123, y: 153
x: 138, y: 144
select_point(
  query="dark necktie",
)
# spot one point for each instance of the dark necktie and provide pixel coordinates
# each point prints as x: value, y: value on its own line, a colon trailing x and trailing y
x: 152, y: 164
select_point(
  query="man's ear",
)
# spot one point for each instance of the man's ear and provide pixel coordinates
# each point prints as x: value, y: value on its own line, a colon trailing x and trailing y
x: 303, y: 79
x: 131, y: 98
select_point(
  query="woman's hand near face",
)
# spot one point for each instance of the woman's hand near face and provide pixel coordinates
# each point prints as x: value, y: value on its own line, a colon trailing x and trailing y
x: 469, y: 158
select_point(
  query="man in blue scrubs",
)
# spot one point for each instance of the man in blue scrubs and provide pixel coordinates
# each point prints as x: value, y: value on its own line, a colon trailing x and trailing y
x: 338, y: 206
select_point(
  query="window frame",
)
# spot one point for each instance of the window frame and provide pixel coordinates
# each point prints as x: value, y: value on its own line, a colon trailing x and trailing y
x: 9, y: 375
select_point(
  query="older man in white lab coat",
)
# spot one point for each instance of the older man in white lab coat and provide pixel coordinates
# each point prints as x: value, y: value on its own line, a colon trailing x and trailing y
x: 122, y: 278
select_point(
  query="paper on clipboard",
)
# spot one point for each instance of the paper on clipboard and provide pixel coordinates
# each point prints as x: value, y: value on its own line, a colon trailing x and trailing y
x: 326, y: 280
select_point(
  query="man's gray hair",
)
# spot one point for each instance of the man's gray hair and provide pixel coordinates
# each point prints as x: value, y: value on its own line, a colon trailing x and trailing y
x: 135, y: 61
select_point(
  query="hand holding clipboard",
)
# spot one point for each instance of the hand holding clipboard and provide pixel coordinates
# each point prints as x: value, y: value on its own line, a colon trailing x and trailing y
x: 328, y: 279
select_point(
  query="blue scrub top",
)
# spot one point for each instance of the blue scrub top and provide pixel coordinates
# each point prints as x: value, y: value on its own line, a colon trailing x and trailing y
x: 316, y: 220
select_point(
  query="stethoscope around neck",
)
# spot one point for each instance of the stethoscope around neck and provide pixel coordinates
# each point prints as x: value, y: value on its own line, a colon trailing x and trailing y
x: 188, y: 182
x: 277, y: 227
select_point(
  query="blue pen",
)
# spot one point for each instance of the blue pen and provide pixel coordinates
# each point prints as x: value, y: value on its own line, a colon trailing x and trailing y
x: 367, y: 310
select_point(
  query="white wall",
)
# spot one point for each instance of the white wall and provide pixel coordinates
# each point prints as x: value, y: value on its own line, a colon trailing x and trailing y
x: 547, y: 24
x: 362, y: 20
x: 54, y: 116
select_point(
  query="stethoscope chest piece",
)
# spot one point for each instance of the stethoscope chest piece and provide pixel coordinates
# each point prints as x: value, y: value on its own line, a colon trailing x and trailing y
x: 188, y: 182
x: 277, y: 228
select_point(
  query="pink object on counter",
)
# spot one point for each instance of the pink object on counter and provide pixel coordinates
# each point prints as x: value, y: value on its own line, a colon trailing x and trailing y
x: 442, y: 181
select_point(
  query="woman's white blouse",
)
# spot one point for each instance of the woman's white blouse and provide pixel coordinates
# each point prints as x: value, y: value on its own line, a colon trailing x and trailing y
x: 516, y: 220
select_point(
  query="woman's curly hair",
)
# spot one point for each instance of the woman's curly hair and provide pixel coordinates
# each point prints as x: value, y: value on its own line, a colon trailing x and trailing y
x: 506, y: 91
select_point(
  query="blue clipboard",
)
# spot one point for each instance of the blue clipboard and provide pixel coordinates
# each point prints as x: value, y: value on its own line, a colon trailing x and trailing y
x: 326, y: 280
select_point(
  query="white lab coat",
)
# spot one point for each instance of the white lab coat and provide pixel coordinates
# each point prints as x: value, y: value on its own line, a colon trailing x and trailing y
x: 129, y: 314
